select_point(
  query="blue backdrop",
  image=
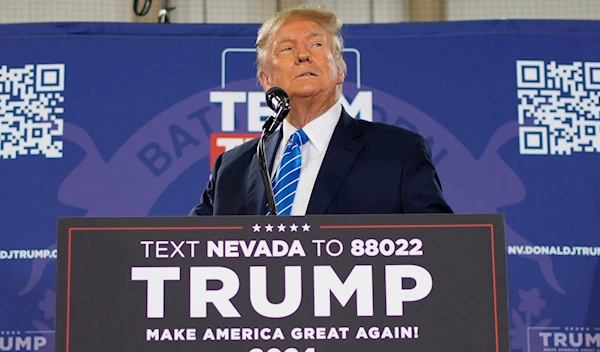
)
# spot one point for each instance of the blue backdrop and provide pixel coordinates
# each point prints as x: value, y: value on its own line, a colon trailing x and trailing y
x: 124, y: 120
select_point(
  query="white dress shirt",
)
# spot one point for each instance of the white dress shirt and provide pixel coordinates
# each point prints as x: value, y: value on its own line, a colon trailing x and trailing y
x: 319, y: 132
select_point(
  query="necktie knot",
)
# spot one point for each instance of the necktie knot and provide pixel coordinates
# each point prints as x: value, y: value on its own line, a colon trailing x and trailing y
x: 298, y: 138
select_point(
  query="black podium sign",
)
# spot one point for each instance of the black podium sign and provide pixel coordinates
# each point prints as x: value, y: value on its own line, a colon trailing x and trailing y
x: 287, y: 284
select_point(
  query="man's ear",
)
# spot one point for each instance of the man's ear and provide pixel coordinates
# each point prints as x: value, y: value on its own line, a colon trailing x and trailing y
x: 340, y: 76
x: 264, y: 80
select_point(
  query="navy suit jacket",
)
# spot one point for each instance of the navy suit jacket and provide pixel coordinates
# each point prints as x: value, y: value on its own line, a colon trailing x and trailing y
x: 369, y: 168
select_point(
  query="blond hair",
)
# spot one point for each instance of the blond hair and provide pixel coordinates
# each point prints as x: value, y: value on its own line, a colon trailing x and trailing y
x: 322, y: 15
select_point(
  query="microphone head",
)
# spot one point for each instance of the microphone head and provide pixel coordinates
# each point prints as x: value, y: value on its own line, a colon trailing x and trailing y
x: 275, y: 97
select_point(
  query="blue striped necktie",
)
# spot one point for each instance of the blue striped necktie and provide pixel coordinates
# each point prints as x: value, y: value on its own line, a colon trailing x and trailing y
x: 286, y: 178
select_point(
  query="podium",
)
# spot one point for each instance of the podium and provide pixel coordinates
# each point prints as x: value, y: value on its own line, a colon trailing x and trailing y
x: 322, y: 283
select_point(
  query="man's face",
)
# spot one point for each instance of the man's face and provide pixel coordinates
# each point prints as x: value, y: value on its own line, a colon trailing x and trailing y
x: 300, y: 61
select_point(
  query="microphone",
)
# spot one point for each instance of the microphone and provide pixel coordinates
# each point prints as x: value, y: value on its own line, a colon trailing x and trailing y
x: 279, y: 102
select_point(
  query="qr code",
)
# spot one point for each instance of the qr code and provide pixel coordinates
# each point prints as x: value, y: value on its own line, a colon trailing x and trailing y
x: 30, y: 103
x: 559, y: 108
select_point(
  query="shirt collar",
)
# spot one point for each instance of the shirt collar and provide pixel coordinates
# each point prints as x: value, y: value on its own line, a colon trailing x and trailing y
x: 319, y: 130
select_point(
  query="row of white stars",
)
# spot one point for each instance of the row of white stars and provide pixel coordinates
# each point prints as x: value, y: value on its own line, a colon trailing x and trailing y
x: 281, y: 227
x: 577, y: 329
x: 13, y: 332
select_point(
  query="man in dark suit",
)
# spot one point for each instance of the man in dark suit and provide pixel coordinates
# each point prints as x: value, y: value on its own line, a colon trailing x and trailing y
x: 323, y: 161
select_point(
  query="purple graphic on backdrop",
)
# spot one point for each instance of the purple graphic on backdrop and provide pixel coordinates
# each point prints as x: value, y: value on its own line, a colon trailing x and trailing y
x: 532, y: 305
x: 37, y: 270
x: 47, y: 305
x: 49, y: 308
x: 124, y: 186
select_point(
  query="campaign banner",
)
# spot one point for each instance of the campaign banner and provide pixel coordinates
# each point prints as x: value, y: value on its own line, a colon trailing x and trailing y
x: 310, y: 284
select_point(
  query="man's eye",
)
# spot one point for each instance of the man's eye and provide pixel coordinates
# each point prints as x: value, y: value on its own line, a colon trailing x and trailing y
x: 287, y: 48
x: 318, y: 44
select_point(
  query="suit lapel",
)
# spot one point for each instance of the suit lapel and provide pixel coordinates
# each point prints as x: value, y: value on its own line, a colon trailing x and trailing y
x: 256, y: 195
x: 343, y: 150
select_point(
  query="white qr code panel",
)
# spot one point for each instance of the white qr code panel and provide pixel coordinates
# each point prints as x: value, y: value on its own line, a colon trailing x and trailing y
x: 31, y: 101
x: 559, y: 107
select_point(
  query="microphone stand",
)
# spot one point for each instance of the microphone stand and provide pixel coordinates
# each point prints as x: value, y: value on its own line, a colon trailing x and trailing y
x: 268, y: 128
